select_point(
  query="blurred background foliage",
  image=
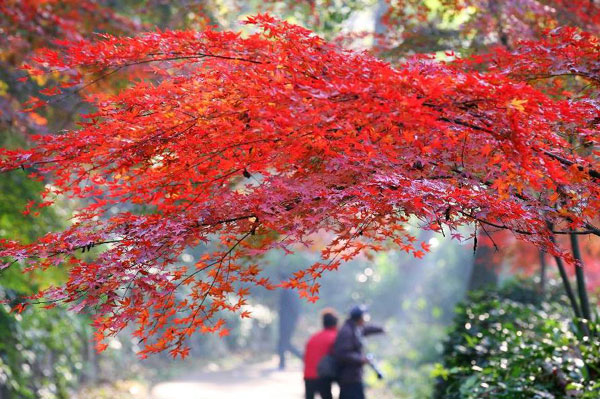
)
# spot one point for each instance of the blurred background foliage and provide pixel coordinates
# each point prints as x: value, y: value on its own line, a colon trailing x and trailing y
x: 41, y: 350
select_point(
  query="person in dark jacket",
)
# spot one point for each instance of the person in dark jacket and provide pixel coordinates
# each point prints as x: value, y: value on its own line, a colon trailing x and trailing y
x: 318, y: 346
x: 348, y: 352
x: 289, y: 311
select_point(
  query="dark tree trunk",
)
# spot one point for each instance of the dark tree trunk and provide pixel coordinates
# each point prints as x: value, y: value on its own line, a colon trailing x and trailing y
x: 542, y: 271
x: 566, y: 283
x: 580, y: 276
x: 485, y: 268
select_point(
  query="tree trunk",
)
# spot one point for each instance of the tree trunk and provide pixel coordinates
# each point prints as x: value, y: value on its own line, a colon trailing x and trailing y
x: 580, y: 276
x: 565, y: 280
x: 484, y: 272
x: 567, y: 284
x: 495, y: 8
x: 542, y: 272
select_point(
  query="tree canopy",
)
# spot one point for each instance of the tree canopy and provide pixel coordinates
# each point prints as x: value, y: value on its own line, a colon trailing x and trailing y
x: 259, y: 141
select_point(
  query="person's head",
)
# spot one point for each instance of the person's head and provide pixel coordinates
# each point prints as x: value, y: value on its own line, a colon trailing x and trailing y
x: 357, y: 314
x: 329, y: 317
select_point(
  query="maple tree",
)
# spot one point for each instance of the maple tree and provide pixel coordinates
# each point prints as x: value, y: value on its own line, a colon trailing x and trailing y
x: 479, y: 25
x: 260, y: 141
x: 409, y: 26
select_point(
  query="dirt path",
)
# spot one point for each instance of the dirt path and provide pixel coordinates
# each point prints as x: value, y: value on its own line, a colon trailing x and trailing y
x: 256, y: 381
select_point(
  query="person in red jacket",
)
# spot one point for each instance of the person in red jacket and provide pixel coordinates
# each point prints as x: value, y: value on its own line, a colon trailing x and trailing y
x: 319, y: 345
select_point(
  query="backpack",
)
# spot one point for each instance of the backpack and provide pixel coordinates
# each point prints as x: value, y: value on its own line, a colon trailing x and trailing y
x: 327, y: 367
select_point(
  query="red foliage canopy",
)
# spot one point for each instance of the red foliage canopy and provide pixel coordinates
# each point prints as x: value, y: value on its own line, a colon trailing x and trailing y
x: 258, y: 142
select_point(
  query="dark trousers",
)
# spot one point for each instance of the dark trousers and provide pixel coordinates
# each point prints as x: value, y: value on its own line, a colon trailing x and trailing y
x: 282, y: 348
x: 322, y: 386
x: 352, y: 390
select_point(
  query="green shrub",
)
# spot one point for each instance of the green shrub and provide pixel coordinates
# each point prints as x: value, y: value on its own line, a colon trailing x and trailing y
x: 511, y: 344
x: 40, y: 352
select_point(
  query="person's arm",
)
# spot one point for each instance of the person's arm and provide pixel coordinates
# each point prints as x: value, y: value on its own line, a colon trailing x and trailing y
x: 344, y: 349
x: 370, y: 329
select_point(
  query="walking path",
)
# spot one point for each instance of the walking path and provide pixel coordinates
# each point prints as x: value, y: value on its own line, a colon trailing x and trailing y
x: 253, y: 381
